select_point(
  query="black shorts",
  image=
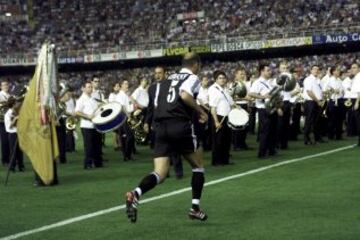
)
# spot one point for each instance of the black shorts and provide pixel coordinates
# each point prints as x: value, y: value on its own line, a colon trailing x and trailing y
x: 174, y: 136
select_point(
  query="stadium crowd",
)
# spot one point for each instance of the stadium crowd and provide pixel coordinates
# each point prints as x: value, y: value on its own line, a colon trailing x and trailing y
x: 105, y: 24
x: 110, y: 77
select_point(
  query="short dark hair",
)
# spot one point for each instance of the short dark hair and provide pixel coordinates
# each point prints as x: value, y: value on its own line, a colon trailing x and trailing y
x: 240, y: 68
x: 217, y: 73
x: 190, y: 59
x: 86, y: 82
x: 94, y: 76
x: 332, y: 69
x: 262, y: 66
x: 314, y: 65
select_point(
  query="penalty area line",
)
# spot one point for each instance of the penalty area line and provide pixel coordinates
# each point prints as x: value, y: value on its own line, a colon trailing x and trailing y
x: 177, y: 192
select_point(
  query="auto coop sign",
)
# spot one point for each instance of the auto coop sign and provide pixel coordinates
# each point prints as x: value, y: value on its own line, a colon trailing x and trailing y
x: 336, y: 38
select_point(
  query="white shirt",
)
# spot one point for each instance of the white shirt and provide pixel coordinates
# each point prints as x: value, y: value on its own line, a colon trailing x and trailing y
x: 325, y: 81
x: 220, y: 99
x: 295, y: 98
x: 7, y: 122
x: 4, y: 96
x: 336, y: 84
x: 70, y: 105
x: 125, y: 101
x: 87, y: 105
x: 98, y: 95
x: 191, y: 85
x: 112, y: 97
x: 261, y: 87
x: 311, y: 83
x: 347, y: 84
x: 141, y: 97
x: 356, y: 84
x: 203, y: 96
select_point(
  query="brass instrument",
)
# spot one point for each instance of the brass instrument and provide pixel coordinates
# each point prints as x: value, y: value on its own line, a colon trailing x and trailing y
x: 135, y: 121
x: 348, y: 103
x: 71, y: 122
x: 238, y: 90
x: 285, y: 83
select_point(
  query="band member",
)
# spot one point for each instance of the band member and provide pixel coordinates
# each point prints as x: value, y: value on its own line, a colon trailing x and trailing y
x: 336, y: 104
x: 112, y: 95
x: 174, y: 133
x: 125, y: 132
x: 4, y: 96
x: 239, y: 136
x: 70, y: 109
x: 116, y: 136
x: 252, y: 107
x: 149, y: 126
x: 99, y: 96
x: 267, y: 120
x: 296, y: 101
x: 10, y: 119
x: 349, y: 103
x: 61, y: 130
x: 312, y: 96
x: 284, y: 119
x: 140, y: 96
x: 355, y: 70
x: 221, y: 103
x: 204, y: 129
x: 85, y: 109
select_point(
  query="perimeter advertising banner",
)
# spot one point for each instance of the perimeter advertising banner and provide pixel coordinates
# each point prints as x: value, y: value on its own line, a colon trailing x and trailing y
x: 336, y: 38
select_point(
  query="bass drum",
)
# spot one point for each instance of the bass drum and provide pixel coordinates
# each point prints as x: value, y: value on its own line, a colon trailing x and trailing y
x: 238, y: 119
x: 108, y: 117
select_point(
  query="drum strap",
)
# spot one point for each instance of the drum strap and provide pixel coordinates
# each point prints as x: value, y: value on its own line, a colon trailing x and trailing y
x: 222, y: 92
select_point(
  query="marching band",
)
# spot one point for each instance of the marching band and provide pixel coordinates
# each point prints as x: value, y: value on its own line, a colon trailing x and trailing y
x: 333, y: 100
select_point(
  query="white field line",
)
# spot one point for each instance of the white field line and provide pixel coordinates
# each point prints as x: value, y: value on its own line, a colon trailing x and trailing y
x: 109, y: 210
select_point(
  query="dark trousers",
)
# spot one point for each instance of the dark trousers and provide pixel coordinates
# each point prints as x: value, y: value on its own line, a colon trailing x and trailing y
x: 5, y: 151
x: 61, y: 137
x: 15, y: 152
x: 91, y: 148
x: 312, y: 111
x: 252, y: 119
x: 357, y: 117
x: 336, y: 119
x: 294, y: 130
x: 127, y: 141
x: 203, y: 132
x: 284, y: 126
x: 351, y: 129
x: 267, y: 133
x: 70, y: 141
x: 221, y: 144
x: 239, y: 136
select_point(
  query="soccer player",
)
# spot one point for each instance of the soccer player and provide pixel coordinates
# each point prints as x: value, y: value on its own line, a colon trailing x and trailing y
x: 173, y: 116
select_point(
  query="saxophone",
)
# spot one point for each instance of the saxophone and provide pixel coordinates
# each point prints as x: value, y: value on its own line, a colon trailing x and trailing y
x: 135, y: 121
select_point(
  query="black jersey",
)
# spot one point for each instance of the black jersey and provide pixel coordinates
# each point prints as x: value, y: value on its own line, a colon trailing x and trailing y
x: 169, y: 104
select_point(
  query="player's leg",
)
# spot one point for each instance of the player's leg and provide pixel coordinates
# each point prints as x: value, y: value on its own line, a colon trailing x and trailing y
x: 196, y: 161
x: 161, y: 168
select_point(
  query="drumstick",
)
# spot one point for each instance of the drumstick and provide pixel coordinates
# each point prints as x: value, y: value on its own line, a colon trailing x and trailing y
x: 221, y: 122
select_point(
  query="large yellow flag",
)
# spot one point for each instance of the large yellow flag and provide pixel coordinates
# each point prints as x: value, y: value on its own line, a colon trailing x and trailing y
x: 36, y: 126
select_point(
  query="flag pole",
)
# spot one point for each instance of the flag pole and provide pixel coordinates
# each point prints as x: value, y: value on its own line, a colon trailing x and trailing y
x: 12, y: 159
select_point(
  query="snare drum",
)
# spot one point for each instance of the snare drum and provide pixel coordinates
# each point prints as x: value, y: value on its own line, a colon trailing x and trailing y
x: 238, y: 119
x: 108, y: 117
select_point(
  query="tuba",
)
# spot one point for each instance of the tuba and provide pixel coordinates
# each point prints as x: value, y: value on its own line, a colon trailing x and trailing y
x: 135, y: 121
x: 285, y: 82
x: 238, y: 90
